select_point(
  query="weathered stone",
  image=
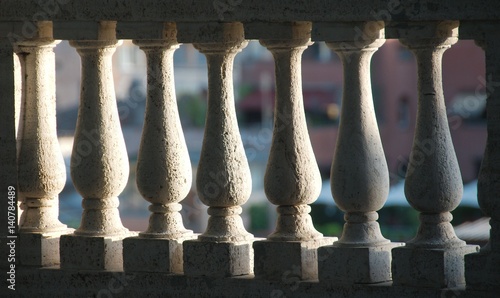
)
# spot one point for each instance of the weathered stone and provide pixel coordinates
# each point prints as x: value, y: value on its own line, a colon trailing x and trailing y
x: 281, y: 260
x: 433, y: 185
x: 153, y: 255
x: 481, y: 271
x: 217, y: 259
x: 359, y: 265
x: 436, y: 268
x: 92, y: 253
x: 40, y: 249
x: 223, y: 179
x: 41, y: 169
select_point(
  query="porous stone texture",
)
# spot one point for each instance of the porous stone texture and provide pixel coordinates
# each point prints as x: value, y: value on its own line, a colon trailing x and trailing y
x: 282, y: 260
x: 40, y: 249
x: 92, y: 253
x: 153, y: 254
x: 433, y: 185
x: 436, y: 268
x: 482, y: 271
x: 163, y: 167
x: 41, y: 170
x: 292, y: 179
x: 217, y: 259
x: 71, y: 283
x: 346, y: 265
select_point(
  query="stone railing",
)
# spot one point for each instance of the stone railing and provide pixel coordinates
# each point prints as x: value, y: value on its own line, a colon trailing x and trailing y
x: 102, y: 258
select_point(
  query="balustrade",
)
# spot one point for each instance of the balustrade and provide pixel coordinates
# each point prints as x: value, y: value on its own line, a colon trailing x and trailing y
x: 435, y: 261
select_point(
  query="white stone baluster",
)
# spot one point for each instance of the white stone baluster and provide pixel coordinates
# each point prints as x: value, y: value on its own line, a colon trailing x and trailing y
x: 433, y: 186
x: 292, y: 179
x: 359, y: 174
x: 99, y: 161
x: 482, y: 270
x: 163, y: 166
x: 41, y: 170
x: 223, y: 177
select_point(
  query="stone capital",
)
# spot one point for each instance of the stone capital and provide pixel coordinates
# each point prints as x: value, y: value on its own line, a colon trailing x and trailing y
x: 210, y: 33
x: 428, y: 35
x: 275, y: 36
x: 350, y: 36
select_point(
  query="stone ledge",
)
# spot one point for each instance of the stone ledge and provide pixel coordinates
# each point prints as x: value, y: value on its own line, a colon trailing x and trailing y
x: 248, y: 11
x: 72, y: 283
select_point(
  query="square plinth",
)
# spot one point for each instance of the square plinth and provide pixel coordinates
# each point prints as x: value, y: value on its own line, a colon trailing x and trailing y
x: 40, y: 249
x: 278, y: 260
x: 482, y: 271
x: 359, y: 265
x: 433, y: 268
x: 217, y: 259
x: 153, y: 254
x: 92, y: 253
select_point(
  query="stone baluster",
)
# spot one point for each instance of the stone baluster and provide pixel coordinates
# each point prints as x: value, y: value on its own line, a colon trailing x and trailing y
x: 359, y: 174
x: 433, y: 186
x: 41, y: 170
x: 99, y: 161
x: 482, y: 270
x: 20, y: 68
x: 163, y: 166
x: 292, y: 179
x: 223, y: 177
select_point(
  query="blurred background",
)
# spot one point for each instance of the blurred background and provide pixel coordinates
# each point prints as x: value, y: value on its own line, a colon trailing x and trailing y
x: 394, y: 85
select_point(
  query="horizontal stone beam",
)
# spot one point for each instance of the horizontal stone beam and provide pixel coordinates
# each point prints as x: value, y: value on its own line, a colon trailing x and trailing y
x: 248, y: 10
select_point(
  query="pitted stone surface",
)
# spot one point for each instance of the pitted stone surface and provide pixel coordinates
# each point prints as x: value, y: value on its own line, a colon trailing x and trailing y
x: 437, y: 268
x: 343, y: 265
x: 40, y: 249
x: 153, y: 255
x: 217, y: 259
x: 292, y: 179
x: 92, y: 253
x: 282, y: 260
x: 163, y: 165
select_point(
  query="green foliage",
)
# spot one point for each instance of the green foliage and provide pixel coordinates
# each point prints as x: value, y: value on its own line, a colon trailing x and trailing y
x: 192, y: 109
x: 259, y: 218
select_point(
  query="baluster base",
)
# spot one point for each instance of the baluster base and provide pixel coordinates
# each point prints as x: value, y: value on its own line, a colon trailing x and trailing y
x: 432, y: 268
x: 93, y: 252
x: 154, y: 254
x: 40, y: 249
x: 347, y: 264
x: 280, y: 260
x: 482, y: 271
x: 217, y: 259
